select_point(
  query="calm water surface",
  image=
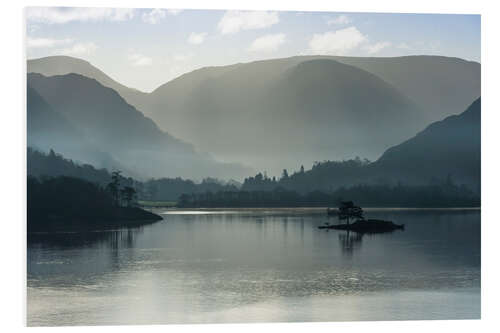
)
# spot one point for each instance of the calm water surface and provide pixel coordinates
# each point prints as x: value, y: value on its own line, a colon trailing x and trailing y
x: 258, y: 266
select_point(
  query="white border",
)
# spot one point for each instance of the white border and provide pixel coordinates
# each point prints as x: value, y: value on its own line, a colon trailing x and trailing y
x: 13, y: 246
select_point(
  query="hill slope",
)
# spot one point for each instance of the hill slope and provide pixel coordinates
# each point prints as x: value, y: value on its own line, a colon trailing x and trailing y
x: 444, y: 153
x: 448, y: 147
x: 48, y: 129
x: 62, y: 65
x: 55, y: 165
x: 439, y: 85
x: 44, y: 125
x: 313, y: 110
x: 108, y: 122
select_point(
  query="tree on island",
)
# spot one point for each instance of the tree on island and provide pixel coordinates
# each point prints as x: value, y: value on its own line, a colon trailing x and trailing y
x: 113, y: 187
x: 121, y: 196
x: 348, y: 210
x: 129, y: 195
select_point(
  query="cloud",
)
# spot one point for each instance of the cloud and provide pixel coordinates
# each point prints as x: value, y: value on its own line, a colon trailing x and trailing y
x: 60, y: 15
x: 140, y: 60
x: 79, y: 49
x: 377, y: 47
x: 339, y: 20
x: 235, y: 21
x: 46, y: 42
x: 154, y: 16
x: 174, y: 11
x: 336, y: 42
x: 267, y: 43
x: 197, y: 38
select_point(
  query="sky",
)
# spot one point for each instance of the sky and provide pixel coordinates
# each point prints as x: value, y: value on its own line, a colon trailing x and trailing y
x: 145, y: 48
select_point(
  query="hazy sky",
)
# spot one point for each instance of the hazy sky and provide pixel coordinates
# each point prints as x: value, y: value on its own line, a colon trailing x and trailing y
x: 144, y: 48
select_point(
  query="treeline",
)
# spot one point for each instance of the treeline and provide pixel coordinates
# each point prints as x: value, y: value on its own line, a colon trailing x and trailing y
x: 445, y: 195
x: 52, y: 165
x: 42, y: 165
x: 68, y: 203
x: 329, y: 176
x: 170, y: 189
x: 323, y: 176
x: 322, y: 185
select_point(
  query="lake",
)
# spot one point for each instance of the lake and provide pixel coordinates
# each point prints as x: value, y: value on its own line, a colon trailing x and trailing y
x: 258, y: 265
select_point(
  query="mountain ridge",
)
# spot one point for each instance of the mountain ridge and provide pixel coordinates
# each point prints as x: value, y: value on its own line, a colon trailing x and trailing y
x: 447, y: 148
x: 222, y: 90
x: 61, y: 65
x: 249, y: 110
x: 115, y: 126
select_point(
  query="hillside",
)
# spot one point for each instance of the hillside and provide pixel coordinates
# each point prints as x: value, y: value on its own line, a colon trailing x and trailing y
x: 40, y: 164
x: 48, y: 129
x: 108, y: 122
x: 448, y: 147
x: 439, y: 85
x: 312, y: 111
x: 446, y: 153
x: 44, y: 125
x: 62, y: 65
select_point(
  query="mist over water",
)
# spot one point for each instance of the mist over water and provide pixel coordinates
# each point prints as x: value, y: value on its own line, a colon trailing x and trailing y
x: 258, y: 265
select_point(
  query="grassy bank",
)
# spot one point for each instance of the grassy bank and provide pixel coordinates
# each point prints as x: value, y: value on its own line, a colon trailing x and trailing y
x: 157, y: 204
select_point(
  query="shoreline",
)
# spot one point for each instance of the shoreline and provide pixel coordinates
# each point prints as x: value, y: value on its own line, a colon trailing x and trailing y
x: 138, y: 217
x: 314, y: 208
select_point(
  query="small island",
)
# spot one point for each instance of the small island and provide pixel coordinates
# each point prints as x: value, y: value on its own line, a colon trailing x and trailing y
x: 73, y: 204
x: 348, y: 210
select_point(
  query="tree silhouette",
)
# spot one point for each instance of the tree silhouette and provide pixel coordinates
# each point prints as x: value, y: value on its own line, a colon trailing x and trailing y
x: 348, y: 210
x: 128, y: 195
x: 113, y: 187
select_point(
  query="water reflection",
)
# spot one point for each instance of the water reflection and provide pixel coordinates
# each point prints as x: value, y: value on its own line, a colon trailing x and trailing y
x: 62, y: 240
x: 349, y: 242
x: 244, y: 265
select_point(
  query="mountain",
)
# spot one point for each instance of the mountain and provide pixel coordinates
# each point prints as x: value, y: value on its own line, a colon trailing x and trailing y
x: 233, y: 111
x: 62, y: 65
x: 344, y: 107
x: 47, y: 129
x: 309, y: 111
x: 448, y: 147
x: 106, y: 121
x: 446, y: 153
x: 44, y: 125
x: 439, y: 85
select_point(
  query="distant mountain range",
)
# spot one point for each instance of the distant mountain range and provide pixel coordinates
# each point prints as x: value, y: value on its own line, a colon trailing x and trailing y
x: 266, y: 114
x: 312, y: 108
x: 440, y: 85
x: 71, y: 113
x: 61, y: 65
